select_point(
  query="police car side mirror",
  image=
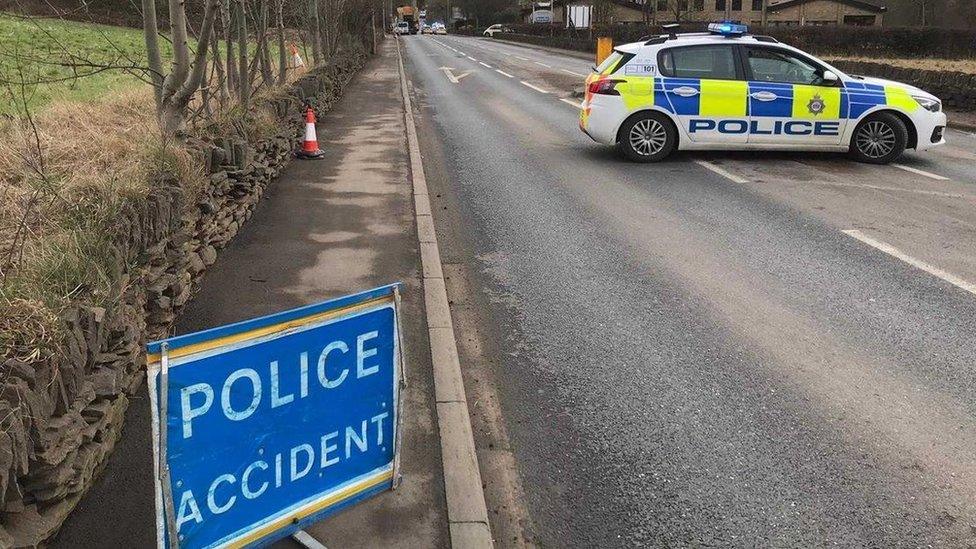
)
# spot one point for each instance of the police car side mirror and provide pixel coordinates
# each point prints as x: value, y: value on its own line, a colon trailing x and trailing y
x: 830, y: 77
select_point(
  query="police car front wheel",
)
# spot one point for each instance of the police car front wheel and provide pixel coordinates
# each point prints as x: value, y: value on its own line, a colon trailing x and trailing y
x: 647, y: 137
x: 879, y: 138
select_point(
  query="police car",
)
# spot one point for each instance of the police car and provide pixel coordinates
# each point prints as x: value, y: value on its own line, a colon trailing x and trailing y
x: 726, y: 89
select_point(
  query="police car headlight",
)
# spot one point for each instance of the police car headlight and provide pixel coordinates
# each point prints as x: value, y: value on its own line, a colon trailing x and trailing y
x: 927, y: 103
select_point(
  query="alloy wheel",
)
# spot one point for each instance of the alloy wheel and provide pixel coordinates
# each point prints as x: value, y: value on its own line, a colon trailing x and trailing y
x: 875, y: 139
x: 647, y: 137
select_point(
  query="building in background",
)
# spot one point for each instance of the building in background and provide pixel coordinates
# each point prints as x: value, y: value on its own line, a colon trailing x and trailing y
x: 947, y: 14
x: 778, y: 12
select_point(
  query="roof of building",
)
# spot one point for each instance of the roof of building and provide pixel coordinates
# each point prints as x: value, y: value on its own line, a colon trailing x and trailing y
x: 862, y: 4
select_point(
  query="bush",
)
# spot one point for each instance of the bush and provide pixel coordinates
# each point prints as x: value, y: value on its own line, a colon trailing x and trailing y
x: 891, y: 42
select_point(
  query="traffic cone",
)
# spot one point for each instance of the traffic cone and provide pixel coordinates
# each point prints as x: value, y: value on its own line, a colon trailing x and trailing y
x: 310, y: 147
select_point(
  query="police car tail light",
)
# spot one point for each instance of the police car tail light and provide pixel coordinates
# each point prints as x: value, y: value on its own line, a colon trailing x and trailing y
x: 927, y: 103
x: 604, y: 87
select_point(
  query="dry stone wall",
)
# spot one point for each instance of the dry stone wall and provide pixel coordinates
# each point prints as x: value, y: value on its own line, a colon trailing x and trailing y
x: 60, y: 418
x: 957, y: 90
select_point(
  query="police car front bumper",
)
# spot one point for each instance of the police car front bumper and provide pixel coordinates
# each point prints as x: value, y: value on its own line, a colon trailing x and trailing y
x: 931, y: 130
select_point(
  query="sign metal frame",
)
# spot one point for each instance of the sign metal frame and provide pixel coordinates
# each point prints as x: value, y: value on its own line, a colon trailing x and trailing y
x: 160, y: 355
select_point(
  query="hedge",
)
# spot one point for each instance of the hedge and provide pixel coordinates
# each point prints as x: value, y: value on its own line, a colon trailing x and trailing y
x: 878, y: 42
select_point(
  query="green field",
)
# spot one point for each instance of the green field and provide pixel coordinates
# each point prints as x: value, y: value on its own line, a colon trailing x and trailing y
x: 37, y: 50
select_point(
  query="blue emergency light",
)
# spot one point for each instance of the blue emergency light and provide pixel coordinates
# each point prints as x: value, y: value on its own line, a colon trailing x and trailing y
x: 728, y: 28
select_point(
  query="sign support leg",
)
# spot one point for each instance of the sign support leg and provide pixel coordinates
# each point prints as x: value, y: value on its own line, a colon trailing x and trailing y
x: 307, y: 541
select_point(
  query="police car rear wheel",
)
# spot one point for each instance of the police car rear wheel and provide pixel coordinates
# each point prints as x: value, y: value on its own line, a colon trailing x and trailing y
x: 647, y: 137
x: 879, y: 139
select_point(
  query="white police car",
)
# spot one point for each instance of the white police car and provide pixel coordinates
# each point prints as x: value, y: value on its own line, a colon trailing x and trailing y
x: 726, y: 89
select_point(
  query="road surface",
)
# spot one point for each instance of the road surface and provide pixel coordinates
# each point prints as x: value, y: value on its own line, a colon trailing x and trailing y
x: 747, y: 349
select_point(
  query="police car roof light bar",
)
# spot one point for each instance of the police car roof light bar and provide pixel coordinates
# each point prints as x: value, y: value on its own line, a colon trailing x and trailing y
x: 728, y: 28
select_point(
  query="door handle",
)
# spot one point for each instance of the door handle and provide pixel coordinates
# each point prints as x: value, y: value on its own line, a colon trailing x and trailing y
x: 764, y: 96
x: 685, y: 91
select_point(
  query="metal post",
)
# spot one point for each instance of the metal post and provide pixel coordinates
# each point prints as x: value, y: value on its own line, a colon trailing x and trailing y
x: 401, y: 386
x: 305, y: 540
x: 168, y: 507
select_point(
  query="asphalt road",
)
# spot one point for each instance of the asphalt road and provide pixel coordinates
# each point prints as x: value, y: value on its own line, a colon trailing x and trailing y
x: 740, y: 349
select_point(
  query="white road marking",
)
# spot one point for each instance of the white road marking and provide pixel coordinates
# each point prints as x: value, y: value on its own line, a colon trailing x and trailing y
x: 454, y: 78
x: 573, y: 73
x: 482, y: 63
x: 920, y: 172
x: 543, y: 64
x: 503, y: 73
x: 568, y: 102
x: 730, y: 176
x: 540, y: 90
x: 522, y: 58
x: 471, y: 58
x: 895, y: 252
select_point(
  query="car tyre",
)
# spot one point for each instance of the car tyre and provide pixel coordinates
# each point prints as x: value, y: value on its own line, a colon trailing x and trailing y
x: 879, y: 139
x: 647, y: 137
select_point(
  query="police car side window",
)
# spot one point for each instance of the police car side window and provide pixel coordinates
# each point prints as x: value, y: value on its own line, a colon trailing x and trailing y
x: 775, y: 65
x: 711, y: 62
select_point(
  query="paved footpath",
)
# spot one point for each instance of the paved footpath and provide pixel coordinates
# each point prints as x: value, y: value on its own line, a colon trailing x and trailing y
x: 325, y: 228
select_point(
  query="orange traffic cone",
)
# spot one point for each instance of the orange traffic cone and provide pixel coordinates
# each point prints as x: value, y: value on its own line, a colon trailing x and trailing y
x: 310, y: 147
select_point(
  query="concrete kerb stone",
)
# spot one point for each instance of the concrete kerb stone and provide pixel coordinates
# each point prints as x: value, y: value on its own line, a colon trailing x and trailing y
x: 435, y: 299
x: 428, y: 253
x: 448, y: 385
x: 467, y: 513
x: 465, y: 501
x: 468, y: 534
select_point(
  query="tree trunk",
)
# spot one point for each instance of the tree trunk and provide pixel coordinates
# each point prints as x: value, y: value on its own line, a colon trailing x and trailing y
x: 151, y: 34
x: 221, y: 76
x: 282, y: 55
x: 315, y: 31
x: 267, y: 75
x: 229, y: 24
x: 244, y: 74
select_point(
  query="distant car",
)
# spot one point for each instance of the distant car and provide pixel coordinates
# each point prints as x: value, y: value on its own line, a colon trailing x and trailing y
x: 491, y: 31
x: 426, y: 29
x: 728, y: 90
x: 439, y: 28
x: 402, y: 28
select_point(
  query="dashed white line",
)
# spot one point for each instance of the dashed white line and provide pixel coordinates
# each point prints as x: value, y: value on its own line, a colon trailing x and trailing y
x: 919, y: 264
x: 482, y: 63
x: 728, y: 175
x: 920, y: 172
x: 568, y: 102
x: 522, y: 58
x: 471, y: 58
x: 573, y: 73
x: 543, y: 64
x: 503, y: 73
x: 540, y: 90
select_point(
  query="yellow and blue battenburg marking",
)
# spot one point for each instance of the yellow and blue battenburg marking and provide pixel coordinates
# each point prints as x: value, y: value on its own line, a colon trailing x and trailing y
x: 734, y: 98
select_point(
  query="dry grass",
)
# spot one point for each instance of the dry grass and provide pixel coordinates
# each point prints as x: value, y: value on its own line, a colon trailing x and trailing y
x: 61, y: 188
x: 954, y: 65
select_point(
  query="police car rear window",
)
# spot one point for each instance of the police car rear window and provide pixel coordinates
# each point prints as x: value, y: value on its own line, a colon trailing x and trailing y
x: 613, y: 62
x: 716, y: 62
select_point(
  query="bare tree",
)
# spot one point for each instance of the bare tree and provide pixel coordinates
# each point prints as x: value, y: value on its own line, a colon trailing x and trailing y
x: 280, y: 31
x: 174, y: 91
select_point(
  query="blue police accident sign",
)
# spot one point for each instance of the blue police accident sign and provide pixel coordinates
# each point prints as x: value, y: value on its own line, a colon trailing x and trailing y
x: 264, y: 426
